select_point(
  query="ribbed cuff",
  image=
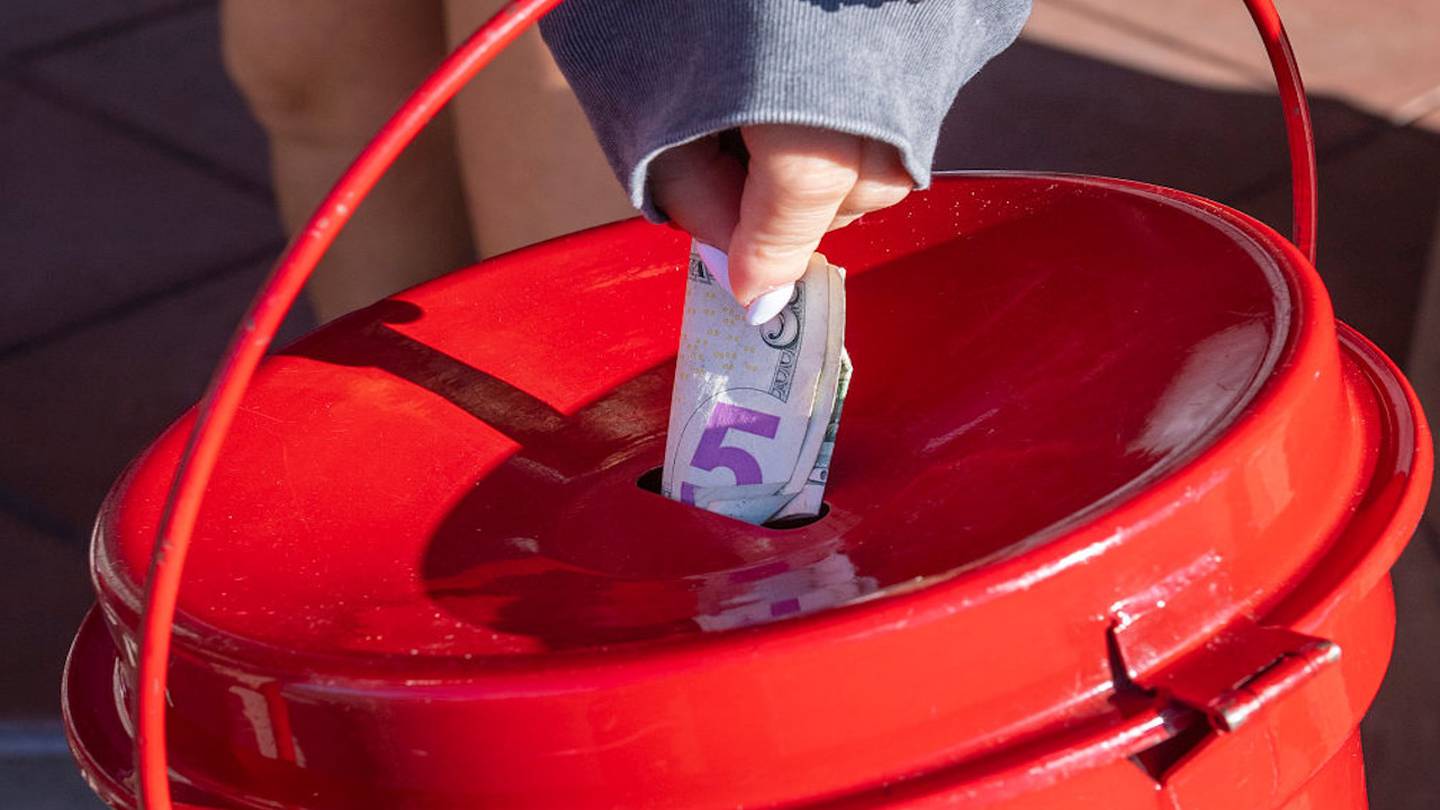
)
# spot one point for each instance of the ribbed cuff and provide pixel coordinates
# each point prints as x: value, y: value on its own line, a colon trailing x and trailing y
x: 654, y: 74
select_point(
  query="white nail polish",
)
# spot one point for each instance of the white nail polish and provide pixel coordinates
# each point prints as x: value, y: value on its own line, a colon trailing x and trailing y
x: 717, y: 263
x: 765, y: 306
x: 769, y: 303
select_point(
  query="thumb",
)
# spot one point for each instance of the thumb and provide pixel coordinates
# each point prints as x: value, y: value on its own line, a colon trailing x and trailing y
x: 798, y: 178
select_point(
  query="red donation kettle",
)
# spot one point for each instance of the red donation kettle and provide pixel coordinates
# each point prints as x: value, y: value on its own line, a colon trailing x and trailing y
x: 1110, y: 525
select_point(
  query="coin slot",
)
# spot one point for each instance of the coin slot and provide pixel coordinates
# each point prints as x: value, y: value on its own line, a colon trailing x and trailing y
x: 650, y: 482
x: 798, y: 522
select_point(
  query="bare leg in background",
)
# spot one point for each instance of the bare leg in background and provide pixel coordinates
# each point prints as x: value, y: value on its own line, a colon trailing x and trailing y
x: 512, y: 163
x: 321, y: 76
x: 532, y: 167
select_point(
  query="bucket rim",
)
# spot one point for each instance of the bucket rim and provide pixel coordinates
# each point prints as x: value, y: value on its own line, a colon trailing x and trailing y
x: 1078, y: 538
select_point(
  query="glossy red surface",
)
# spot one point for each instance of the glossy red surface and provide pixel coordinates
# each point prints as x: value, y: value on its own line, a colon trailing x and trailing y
x: 1095, y: 427
x: 494, y: 426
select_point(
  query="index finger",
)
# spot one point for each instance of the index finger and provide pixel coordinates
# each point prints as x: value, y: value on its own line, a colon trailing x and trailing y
x: 798, y: 177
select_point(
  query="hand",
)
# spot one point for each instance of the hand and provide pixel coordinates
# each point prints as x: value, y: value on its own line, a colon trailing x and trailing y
x: 800, y: 183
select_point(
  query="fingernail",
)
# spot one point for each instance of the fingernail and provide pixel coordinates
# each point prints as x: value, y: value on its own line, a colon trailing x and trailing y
x: 717, y: 263
x: 769, y: 303
x: 765, y: 306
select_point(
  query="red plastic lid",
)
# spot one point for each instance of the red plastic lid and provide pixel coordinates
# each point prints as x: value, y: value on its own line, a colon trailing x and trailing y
x: 1080, y: 407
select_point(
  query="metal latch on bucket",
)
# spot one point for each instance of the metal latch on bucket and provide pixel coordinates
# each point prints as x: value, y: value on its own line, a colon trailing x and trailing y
x: 1243, y: 671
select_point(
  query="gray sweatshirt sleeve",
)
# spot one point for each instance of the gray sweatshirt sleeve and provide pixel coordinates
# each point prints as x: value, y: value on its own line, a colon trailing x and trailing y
x: 653, y: 74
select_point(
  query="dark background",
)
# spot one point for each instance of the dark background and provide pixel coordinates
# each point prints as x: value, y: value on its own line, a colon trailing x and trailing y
x: 136, y: 219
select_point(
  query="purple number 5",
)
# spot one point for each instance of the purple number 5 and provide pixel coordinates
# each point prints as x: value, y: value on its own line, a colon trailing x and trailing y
x: 711, y: 451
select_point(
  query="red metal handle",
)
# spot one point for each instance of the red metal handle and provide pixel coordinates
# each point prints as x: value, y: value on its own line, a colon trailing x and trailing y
x: 252, y: 338
x: 257, y: 331
x: 1305, y: 193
